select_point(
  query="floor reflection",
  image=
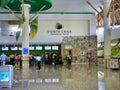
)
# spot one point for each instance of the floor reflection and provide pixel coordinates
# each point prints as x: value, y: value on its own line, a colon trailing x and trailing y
x: 101, y: 82
x: 77, y: 77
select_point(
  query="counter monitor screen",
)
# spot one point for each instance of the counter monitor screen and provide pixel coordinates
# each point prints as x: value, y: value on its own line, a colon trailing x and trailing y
x: 47, y: 47
x: 31, y: 48
x: 5, y: 48
x: 14, y: 48
x: 55, y: 48
x: 38, y: 47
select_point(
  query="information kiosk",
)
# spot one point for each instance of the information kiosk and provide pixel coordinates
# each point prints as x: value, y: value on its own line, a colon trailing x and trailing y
x: 6, y: 76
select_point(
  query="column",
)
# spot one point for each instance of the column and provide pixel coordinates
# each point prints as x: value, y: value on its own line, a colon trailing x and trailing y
x: 107, y: 34
x: 62, y: 52
x: 25, y: 41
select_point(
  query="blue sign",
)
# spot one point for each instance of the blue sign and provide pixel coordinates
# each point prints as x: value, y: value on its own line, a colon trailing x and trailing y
x: 4, y: 76
x: 25, y: 50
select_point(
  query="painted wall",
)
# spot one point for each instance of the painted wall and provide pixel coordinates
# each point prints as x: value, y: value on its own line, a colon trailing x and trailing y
x: 68, y: 28
x: 73, y: 17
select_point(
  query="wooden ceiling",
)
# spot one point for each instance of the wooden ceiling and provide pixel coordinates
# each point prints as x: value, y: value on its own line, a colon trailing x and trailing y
x: 114, y: 13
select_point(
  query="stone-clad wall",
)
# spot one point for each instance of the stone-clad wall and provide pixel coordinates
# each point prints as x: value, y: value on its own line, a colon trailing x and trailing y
x: 80, y: 46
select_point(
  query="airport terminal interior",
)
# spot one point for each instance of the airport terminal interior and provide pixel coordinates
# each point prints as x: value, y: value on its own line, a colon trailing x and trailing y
x: 60, y: 45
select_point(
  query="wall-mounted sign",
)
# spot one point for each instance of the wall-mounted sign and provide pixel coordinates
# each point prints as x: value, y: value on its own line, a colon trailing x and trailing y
x: 68, y: 46
x: 59, y: 32
x: 25, y: 50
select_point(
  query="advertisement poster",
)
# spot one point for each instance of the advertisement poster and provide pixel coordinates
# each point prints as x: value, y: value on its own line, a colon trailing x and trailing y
x: 4, y: 76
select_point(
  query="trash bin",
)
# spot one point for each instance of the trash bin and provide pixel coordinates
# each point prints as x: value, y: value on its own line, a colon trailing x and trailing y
x: 6, y: 76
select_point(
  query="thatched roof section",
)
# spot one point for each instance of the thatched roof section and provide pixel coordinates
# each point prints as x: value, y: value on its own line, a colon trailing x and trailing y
x: 114, y: 12
x: 99, y: 19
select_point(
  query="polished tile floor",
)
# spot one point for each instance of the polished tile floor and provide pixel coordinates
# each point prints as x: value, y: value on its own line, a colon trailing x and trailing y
x: 74, y: 77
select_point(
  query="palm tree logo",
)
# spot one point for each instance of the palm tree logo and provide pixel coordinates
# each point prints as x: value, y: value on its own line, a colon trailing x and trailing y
x: 58, y: 26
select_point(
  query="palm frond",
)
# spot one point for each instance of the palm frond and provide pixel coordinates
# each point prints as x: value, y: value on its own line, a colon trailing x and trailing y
x: 34, y: 28
x: 3, y: 3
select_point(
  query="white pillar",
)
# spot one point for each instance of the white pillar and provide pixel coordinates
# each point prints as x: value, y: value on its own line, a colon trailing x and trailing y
x: 25, y: 33
x: 25, y: 42
x: 107, y: 33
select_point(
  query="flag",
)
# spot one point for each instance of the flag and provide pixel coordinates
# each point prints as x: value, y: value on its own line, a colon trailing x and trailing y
x: 17, y: 35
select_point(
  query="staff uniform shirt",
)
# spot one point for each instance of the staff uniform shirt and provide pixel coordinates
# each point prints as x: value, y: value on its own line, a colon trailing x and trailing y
x: 38, y: 58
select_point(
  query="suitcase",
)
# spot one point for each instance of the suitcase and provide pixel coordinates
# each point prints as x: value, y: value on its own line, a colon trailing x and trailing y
x: 6, y: 76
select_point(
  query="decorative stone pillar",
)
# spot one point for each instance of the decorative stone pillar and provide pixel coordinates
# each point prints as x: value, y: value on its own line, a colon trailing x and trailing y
x: 25, y: 40
x: 107, y: 34
x: 62, y: 51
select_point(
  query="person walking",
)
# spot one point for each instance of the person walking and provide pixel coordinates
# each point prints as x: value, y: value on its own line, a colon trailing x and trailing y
x: 38, y: 58
x: 3, y: 58
x: 17, y: 61
x: 12, y: 59
x: 69, y: 59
